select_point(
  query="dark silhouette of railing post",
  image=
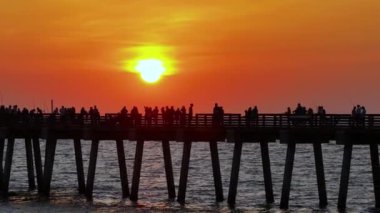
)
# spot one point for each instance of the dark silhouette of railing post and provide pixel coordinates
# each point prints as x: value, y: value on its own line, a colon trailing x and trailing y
x: 79, y: 165
x: 29, y: 163
x: 168, y: 168
x: 184, y: 171
x: 122, y: 168
x: 137, y: 170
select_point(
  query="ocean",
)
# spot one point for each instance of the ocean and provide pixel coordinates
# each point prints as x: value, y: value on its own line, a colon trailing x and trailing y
x: 200, y: 196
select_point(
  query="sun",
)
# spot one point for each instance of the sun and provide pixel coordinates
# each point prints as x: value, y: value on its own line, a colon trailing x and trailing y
x: 150, y: 70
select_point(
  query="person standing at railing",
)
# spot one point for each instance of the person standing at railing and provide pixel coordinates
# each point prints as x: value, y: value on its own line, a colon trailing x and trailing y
x: 182, y: 119
x: 362, y: 114
x: 148, y: 115
x: 353, y: 115
x: 217, y: 116
x: 177, y: 116
x: 310, y: 113
x: 82, y: 115
x: 247, y: 114
x: 255, y: 115
x: 155, y: 115
x: 135, y: 116
x: 321, y: 115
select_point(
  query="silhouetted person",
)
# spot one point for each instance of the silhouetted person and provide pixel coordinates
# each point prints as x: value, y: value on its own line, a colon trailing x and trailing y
x: 255, y: 115
x: 247, y: 114
x: 182, y: 116
x: 310, y: 113
x: 155, y: 115
x: 322, y: 115
x: 218, y: 114
x: 177, y: 115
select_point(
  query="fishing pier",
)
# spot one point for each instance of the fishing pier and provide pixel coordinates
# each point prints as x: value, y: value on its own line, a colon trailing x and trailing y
x: 289, y: 129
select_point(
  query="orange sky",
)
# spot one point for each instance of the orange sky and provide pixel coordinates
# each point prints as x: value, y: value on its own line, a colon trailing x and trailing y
x: 270, y: 53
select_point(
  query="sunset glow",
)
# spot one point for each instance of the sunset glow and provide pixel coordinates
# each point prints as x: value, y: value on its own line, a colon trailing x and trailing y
x: 238, y: 53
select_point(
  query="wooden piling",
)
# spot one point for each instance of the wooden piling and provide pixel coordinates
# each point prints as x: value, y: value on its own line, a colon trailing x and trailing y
x: 38, y: 164
x: 284, y: 204
x: 168, y: 168
x: 267, y: 172
x: 375, y: 172
x: 92, y: 168
x: 8, y: 166
x: 184, y: 171
x: 29, y: 163
x: 122, y: 168
x: 216, y: 171
x: 79, y: 165
x: 2, y: 141
x: 235, y: 172
x: 319, y: 168
x: 51, y: 144
x: 137, y: 170
x: 345, y: 175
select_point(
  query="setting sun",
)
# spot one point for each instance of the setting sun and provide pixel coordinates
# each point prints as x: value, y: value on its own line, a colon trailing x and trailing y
x: 150, y: 62
x: 150, y: 70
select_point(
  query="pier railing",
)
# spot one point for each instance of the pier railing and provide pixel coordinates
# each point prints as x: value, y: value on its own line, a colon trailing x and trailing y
x: 228, y: 120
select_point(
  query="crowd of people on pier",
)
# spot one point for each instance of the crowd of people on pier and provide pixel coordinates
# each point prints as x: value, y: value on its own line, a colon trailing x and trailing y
x: 14, y: 114
x: 167, y: 115
x: 154, y: 116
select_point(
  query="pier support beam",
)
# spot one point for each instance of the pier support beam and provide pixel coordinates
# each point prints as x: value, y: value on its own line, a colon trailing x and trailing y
x: 345, y: 175
x: 92, y: 168
x: 168, y: 168
x: 49, y: 163
x: 375, y: 172
x: 267, y: 172
x: 137, y: 170
x: 235, y: 173
x: 2, y: 141
x: 38, y: 164
x: 184, y: 172
x: 284, y: 204
x: 7, y: 166
x: 122, y: 168
x: 320, y: 174
x: 79, y: 165
x: 29, y: 163
x: 216, y: 171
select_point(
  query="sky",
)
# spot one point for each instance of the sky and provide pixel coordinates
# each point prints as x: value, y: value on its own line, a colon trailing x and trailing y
x: 241, y: 53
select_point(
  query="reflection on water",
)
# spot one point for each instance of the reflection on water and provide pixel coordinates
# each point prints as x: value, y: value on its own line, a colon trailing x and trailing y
x: 200, y: 194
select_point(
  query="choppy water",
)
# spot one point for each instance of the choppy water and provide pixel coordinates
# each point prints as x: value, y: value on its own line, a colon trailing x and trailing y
x: 200, y: 192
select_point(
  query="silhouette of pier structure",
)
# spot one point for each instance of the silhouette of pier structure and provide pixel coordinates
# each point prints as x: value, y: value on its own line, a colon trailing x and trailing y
x: 289, y: 129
